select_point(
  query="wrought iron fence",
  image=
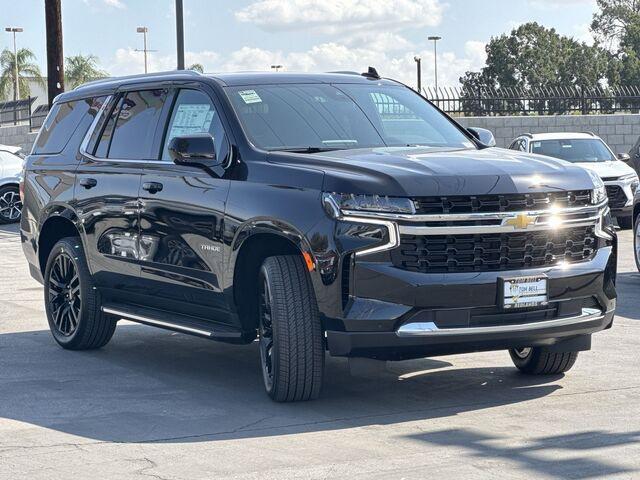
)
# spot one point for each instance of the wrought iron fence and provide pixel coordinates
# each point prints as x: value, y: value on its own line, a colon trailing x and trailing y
x: 535, y: 101
x: 21, y: 112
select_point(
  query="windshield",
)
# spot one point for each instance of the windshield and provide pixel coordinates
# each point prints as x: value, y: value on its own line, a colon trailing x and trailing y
x: 317, y: 117
x: 577, y: 150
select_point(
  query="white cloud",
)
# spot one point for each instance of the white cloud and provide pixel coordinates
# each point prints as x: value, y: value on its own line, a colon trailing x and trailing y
x: 331, y: 16
x: 558, y: 4
x: 127, y: 61
x: 108, y: 3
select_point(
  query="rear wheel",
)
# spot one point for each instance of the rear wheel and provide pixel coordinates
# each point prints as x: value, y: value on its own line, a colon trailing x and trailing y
x: 10, y: 204
x: 625, y: 223
x: 290, y: 333
x: 538, y: 361
x: 72, y: 304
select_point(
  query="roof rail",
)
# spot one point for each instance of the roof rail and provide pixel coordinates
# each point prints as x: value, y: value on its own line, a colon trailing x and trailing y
x: 345, y: 72
x: 134, y: 77
x: 527, y: 134
x: 590, y: 133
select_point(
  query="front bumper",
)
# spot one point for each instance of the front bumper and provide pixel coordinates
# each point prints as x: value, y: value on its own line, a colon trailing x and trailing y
x: 396, y: 314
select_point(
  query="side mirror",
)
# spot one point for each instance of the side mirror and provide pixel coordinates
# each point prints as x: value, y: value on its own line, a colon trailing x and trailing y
x: 194, y: 149
x: 483, y: 135
x: 624, y: 157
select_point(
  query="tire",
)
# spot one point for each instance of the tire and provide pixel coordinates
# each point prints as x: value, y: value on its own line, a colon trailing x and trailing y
x: 625, y: 223
x: 69, y: 287
x: 537, y: 361
x: 636, y: 242
x: 290, y: 333
x: 10, y: 204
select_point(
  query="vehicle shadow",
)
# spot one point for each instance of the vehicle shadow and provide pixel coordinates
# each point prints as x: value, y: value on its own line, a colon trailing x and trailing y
x: 628, y: 287
x: 149, y: 385
x: 9, y: 230
x: 539, y: 455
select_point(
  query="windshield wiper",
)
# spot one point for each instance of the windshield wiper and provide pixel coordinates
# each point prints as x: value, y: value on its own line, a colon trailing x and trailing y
x: 305, y: 149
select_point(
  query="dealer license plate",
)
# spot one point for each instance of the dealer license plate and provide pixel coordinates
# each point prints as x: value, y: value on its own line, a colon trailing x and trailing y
x: 524, y: 292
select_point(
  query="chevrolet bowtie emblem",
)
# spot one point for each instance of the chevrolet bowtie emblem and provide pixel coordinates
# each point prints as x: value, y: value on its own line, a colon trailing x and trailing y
x: 520, y: 222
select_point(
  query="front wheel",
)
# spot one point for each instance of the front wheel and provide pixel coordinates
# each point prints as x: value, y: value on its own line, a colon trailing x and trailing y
x: 538, y: 361
x: 625, y: 223
x: 290, y: 332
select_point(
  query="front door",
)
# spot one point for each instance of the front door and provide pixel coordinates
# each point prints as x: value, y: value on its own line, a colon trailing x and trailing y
x: 181, y: 218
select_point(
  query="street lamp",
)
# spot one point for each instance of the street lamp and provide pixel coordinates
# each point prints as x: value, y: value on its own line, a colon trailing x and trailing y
x: 276, y: 67
x: 144, y: 31
x: 419, y: 72
x: 435, y: 55
x: 16, y: 85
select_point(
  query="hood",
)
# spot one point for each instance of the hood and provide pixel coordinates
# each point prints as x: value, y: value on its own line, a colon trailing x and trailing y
x: 420, y: 171
x: 612, y: 169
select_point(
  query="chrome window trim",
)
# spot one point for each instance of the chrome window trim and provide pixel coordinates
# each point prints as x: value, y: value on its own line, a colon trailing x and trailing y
x: 430, y: 329
x: 94, y: 124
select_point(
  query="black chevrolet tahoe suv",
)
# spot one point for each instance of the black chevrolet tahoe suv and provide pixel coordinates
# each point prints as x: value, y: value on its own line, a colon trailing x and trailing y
x: 312, y: 212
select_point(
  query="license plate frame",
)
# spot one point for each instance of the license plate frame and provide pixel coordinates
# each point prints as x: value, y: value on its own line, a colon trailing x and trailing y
x: 529, y: 291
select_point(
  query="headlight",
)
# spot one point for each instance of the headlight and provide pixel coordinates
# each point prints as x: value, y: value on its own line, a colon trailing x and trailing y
x: 599, y: 192
x: 366, y: 203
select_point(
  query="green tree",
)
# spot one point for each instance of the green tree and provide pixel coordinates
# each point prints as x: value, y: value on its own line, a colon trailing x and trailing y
x: 80, y: 69
x: 531, y: 58
x: 197, y: 67
x: 26, y: 68
x: 616, y: 25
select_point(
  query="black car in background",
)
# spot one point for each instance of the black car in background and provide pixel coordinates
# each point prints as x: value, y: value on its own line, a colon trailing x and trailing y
x: 333, y: 212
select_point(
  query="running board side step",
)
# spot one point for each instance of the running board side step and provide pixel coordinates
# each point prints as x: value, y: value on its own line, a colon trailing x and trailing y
x: 175, y: 322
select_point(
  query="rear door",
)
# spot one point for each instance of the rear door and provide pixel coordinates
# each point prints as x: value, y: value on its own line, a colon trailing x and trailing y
x: 181, y: 216
x: 108, y: 186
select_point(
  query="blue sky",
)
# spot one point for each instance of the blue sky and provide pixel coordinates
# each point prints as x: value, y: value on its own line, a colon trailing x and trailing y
x: 302, y: 35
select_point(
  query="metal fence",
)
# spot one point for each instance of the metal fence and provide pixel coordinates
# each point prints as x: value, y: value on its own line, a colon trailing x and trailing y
x: 21, y: 112
x: 535, y: 101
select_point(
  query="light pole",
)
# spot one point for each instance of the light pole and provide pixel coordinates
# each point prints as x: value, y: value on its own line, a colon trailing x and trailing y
x: 144, y: 31
x: 435, y: 58
x: 419, y: 72
x: 180, y: 34
x: 276, y: 67
x: 16, y: 84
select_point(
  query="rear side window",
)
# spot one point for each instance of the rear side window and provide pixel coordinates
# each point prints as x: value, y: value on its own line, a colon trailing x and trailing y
x: 135, y: 125
x: 65, y: 120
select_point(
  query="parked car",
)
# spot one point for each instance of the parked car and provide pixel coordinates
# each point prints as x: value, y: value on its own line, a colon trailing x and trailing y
x: 10, y: 173
x: 590, y: 151
x: 312, y: 212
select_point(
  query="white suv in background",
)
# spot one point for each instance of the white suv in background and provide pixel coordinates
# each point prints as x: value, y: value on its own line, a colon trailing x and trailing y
x: 589, y: 151
x: 10, y: 175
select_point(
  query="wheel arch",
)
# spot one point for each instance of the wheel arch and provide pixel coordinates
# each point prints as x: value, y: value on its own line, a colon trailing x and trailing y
x: 252, y: 244
x: 58, y: 224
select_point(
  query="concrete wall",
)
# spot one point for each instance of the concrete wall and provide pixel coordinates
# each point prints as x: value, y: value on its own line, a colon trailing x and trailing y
x: 621, y: 132
x: 18, y: 136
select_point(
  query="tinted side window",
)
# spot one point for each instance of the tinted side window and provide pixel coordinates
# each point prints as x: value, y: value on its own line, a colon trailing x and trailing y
x: 63, y: 121
x: 136, y: 124
x: 192, y: 113
x: 105, y: 138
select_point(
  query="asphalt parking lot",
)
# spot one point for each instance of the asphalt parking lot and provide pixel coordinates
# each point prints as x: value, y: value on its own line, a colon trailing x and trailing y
x: 154, y: 404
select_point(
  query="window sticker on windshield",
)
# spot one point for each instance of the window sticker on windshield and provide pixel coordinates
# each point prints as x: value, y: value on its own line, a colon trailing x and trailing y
x: 250, y: 96
x: 537, y: 144
x: 191, y: 118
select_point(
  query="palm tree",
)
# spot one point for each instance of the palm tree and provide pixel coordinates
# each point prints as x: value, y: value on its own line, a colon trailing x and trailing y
x: 197, y: 67
x: 80, y: 69
x: 26, y: 68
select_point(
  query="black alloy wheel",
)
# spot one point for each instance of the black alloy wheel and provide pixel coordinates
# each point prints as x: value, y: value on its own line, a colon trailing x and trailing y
x: 65, y: 298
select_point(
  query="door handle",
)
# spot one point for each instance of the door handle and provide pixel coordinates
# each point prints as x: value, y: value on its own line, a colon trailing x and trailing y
x: 152, y: 187
x: 88, y: 182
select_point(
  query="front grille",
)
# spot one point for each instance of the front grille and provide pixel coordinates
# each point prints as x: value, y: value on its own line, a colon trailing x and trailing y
x: 501, y: 203
x: 494, y: 251
x: 617, y: 198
